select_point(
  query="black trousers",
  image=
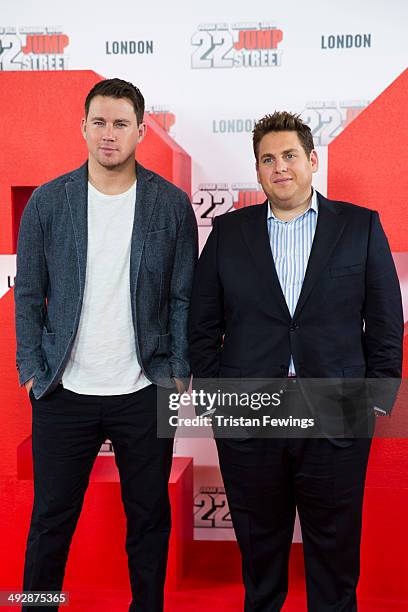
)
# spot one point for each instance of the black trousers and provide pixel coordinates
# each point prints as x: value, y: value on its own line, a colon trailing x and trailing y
x: 68, y: 430
x: 265, y: 480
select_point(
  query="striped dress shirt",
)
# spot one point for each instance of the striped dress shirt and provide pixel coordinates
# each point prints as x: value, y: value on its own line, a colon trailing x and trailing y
x: 291, y: 242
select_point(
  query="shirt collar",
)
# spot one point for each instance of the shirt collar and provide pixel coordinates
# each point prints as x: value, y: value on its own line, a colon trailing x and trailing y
x: 314, y: 205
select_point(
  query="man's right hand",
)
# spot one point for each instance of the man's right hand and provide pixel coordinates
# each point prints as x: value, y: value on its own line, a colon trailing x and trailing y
x: 28, y: 385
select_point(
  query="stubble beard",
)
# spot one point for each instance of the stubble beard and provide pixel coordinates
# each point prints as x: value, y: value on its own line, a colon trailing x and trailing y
x: 113, y: 166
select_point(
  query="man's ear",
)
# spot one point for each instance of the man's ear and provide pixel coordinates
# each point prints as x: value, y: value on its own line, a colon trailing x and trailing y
x: 142, y: 131
x: 314, y: 160
x: 83, y: 127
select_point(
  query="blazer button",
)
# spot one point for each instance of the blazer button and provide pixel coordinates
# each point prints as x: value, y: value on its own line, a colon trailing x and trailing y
x: 293, y: 327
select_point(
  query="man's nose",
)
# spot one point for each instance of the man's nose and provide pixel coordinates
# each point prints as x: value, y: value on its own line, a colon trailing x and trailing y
x: 280, y: 166
x: 108, y: 133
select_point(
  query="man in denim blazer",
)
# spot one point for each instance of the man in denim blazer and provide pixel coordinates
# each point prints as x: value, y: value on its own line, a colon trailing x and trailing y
x: 92, y: 360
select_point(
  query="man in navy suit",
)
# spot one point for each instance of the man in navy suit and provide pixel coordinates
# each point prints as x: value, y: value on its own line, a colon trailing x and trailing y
x: 297, y: 288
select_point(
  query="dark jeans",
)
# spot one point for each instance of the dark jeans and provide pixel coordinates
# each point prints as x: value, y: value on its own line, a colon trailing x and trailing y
x: 68, y: 430
x: 265, y: 481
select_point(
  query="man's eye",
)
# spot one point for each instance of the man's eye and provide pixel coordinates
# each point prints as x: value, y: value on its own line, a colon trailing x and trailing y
x: 98, y: 123
x: 290, y: 156
x: 121, y: 124
x: 267, y: 160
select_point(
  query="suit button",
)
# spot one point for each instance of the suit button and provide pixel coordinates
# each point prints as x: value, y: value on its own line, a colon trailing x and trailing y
x: 293, y: 327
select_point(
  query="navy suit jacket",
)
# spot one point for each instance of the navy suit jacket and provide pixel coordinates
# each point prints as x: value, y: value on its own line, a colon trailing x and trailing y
x: 348, y: 322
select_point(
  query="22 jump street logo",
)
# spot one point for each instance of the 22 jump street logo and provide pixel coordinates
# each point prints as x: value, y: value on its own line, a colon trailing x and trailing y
x: 327, y: 119
x: 213, y: 199
x: 237, y: 45
x: 211, y: 508
x: 33, y: 48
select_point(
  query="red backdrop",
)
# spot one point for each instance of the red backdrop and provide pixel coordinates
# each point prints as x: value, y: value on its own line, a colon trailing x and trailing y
x: 41, y: 139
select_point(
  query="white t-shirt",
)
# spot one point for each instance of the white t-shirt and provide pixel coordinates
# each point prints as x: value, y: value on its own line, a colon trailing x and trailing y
x: 103, y: 359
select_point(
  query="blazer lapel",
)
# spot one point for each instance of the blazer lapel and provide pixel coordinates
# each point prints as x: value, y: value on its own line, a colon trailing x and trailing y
x: 329, y: 229
x: 77, y: 195
x: 255, y: 231
x: 146, y: 195
x: 76, y: 189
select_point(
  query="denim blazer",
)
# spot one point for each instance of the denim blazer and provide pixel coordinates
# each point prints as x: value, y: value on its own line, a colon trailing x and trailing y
x: 51, y: 270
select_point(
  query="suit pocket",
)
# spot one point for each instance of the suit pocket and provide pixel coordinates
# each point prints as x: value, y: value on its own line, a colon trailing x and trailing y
x: 337, y: 271
x: 229, y: 372
x: 354, y: 371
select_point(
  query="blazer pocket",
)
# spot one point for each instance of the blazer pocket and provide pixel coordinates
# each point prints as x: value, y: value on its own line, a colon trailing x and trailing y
x: 48, y: 338
x: 346, y: 270
x: 156, y: 231
x: 163, y: 345
x: 158, y: 251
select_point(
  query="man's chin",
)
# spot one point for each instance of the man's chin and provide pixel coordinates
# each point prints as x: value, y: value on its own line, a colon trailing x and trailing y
x: 285, y: 200
x: 115, y: 164
x: 110, y: 164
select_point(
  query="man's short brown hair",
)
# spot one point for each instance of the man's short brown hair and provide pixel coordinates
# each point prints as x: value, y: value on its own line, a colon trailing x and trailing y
x: 282, y: 121
x: 117, y: 88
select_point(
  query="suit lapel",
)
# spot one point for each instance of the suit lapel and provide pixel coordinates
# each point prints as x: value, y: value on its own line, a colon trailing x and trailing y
x: 330, y: 226
x: 76, y: 189
x: 146, y: 195
x: 255, y: 231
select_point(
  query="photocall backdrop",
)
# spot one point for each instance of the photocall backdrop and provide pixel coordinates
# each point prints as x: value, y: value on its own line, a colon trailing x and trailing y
x: 207, y: 73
